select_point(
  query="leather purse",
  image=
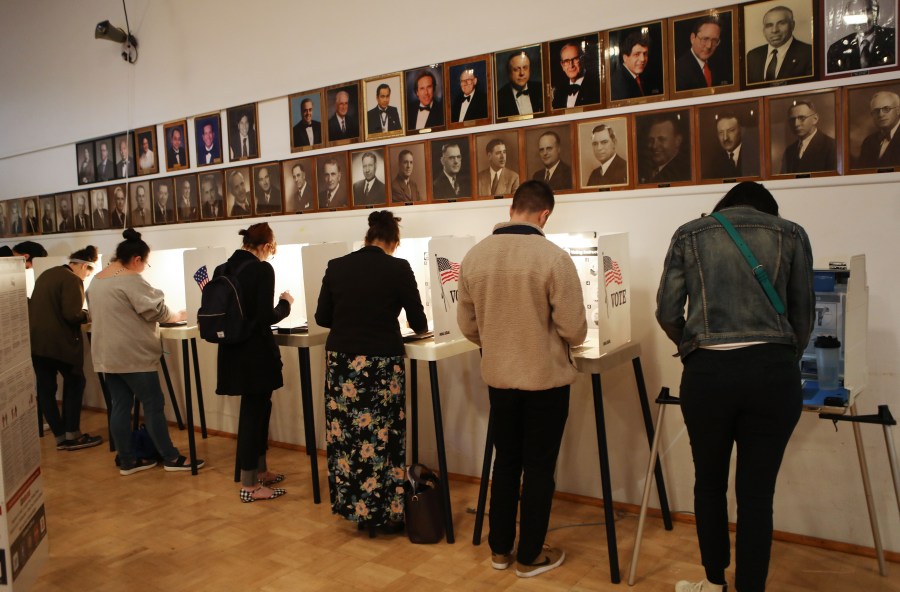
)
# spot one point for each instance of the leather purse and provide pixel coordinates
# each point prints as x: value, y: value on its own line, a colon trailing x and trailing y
x: 424, y: 511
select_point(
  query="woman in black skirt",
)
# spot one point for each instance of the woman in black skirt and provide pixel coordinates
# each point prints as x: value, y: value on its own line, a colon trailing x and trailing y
x: 365, y: 380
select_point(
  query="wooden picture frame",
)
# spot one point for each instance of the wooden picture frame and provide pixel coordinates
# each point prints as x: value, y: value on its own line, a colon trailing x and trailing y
x: 776, y: 22
x: 416, y: 90
x: 238, y: 192
x: 211, y: 186
x: 843, y: 25
x: 103, y: 157
x: 141, y: 204
x: 710, y: 38
x: 306, y: 117
x: 163, y: 198
x: 65, y: 213
x: 728, y: 141
x: 549, y: 148
x: 178, y: 153
x: 871, y: 110
x: 640, y: 75
x: 790, y: 120
x: 47, y: 214
x: 383, y: 100
x: 407, y: 167
x: 498, y: 163
x: 99, y: 208
x: 243, y: 132
x: 118, y: 207
x: 30, y: 219
x: 451, y: 157
x: 519, y: 74
x: 347, y: 109
x: 85, y: 168
x: 147, y: 161
x: 267, y: 189
x: 299, y: 173
x: 186, y: 202
x: 333, y: 177
x: 662, y: 151
x: 208, y: 134
x: 575, y: 74
x: 604, y: 153
x: 367, y: 167
x: 473, y: 78
x: 123, y: 145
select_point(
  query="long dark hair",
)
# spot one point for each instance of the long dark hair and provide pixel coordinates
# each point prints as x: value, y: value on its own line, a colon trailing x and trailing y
x: 749, y: 193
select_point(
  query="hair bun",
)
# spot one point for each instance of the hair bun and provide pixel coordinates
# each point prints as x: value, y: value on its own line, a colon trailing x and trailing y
x: 131, y: 234
x: 242, y: 232
x: 92, y: 253
x: 380, y: 217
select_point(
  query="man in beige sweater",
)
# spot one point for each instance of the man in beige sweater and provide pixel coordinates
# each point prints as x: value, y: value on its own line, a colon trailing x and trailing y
x: 520, y: 300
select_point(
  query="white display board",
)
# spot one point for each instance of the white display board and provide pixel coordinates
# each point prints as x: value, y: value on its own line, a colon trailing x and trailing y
x: 166, y: 272
x: 614, y: 266
x: 288, y: 265
x: 24, y: 546
x: 314, y: 259
x: 445, y: 256
x: 198, y: 268
x: 42, y: 264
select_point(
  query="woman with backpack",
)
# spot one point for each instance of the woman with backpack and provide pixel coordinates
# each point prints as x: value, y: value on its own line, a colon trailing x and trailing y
x: 251, y: 368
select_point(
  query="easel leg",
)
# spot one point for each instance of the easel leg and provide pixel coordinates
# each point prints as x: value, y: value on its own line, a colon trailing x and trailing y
x: 605, y: 485
x: 414, y: 408
x: 442, y: 453
x: 892, y: 458
x: 645, y: 500
x: 867, y: 486
x: 485, y: 476
x: 165, y: 369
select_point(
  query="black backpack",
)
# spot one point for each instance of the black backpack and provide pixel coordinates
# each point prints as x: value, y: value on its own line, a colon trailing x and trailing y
x: 222, y: 318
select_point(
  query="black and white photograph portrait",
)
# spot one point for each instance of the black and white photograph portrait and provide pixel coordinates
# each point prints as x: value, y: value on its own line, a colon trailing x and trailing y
x: 267, y: 196
x: 299, y: 184
x: 663, y: 147
x: 451, y: 168
x: 803, y: 133
x: 860, y: 36
x: 549, y: 156
x: 873, y: 117
x: 212, y: 195
x: 778, y: 42
x: 243, y: 132
x: 187, y: 204
x: 497, y: 163
x: 163, y: 191
x: 367, y: 171
x: 604, y: 148
x: 729, y: 137
x: 237, y: 188
x: 407, y: 166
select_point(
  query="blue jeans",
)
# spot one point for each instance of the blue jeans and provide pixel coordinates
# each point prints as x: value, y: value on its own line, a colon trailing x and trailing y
x: 122, y: 390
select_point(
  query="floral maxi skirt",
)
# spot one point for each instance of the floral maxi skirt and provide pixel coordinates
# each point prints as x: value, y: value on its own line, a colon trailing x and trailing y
x: 365, y: 435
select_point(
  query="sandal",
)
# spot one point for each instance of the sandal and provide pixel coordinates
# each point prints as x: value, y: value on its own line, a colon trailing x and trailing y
x: 278, y: 478
x: 247, y: 496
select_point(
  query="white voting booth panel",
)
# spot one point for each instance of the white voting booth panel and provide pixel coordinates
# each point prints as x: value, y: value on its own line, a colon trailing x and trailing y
x: 315, y: 260
x: 415, y: 251
x: 199, y: 266
x: 445, y: 256
x: 24, y: 546
x: 42, y: 264
x: 614, y: 320
x: 166, y: 272
x: 582, y: 247
x: 288, y: 265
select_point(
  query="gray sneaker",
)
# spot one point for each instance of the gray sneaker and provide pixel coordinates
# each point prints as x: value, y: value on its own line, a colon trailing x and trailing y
x: 82, y: 441
x: 549, y: 559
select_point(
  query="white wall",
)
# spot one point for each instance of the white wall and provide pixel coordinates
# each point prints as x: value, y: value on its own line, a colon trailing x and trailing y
x: 61, y: 86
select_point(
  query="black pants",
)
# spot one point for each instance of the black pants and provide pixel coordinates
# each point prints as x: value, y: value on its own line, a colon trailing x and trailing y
x: 45, y: 370
x: 528, y: 429
x: 752, y: 397
x: 253, y: 430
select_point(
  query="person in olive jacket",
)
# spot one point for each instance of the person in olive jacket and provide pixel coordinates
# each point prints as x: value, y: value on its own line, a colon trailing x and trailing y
x: 251, y: 369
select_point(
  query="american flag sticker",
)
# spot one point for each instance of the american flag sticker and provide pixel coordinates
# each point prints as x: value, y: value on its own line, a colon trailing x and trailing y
x: 448, y: 270
x: 201, y: 276
x: 611, y: 271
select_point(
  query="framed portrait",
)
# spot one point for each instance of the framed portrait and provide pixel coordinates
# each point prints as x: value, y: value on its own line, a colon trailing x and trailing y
x: 423, y: 99
x: 548, y: 151
x: 299, y: 182
x: 331, y: 170
x: 267, y: 195
x: 212, y: 192
x: 208, y: 132
x: 604, y: 153
x: 873, y: 112
x: 729, y: 138
x: 703, y: 46
x: 243, y: 132
x: 30, y: 219
x: 777, y: 40
x: 636, y: 63
x: 99, y: 208
x: 342, y: 107
x: 187, y: 198
x: 470, y: 92
x: 859, y: 37
x: 803, y: 134
x: 145, y: 148
x: 124, y: 149
x: 84, y: 161
x: 118, y: 206
x: 177, y: 152
x: 5, y: 218
x: 237, y: 192
x: 162, y: 190
x: 141, y: 214
x: 383, y: 99
x: 451, y: 168
x: 408, y: 170
x: 15, y: 223
x: 82, y: 210
x: 103, y: 156
x: 306, y: 120
x: 47, y: 209
x: 497, y: 163
x: 662, y: 148
x: 575, y: 66
x: 367, y: 172
x: 65, y: 217
x: 519, y: 75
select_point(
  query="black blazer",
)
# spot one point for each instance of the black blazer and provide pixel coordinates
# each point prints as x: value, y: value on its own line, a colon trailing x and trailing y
x: 820, y: 155
x: 561, y: 179
x: 377, y: 193
x: 170, y: 157
x: 334, y: 128
x: 301, y: 138
x: 588, y: 94
x: 623, y: 85
x: 477, y: 107
x: 105, y: 172
x: 442, y: 189
x: 235, y: 146
x: 373, y: 118
x: 252, y: 367
x: 797, y: 62
x: 506, y: 99
x: 689, y: 74
x: 677, y: 169
x: 843, y: 55
x: 361, y: 297
x: 616, y: 174
x: 435, y: 116
x: 871, y: 146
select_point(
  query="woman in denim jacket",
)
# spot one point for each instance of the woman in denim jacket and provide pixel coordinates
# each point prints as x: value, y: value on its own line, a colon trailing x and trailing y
x: 741, y: 378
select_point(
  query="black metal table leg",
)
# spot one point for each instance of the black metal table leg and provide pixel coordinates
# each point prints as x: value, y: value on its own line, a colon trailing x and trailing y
x: 309, y: 420
x: 605, y: 485
x: 200, y: 408
x: 165, y: 369
x: 648, y: 426
x: 188, y: 407
x: 442, y: 453
x: 485, y: 476
x: 414, y: 408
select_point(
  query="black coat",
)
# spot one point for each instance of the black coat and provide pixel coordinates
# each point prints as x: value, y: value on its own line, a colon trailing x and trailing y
x: 361, y: 297
x: 252, y: 367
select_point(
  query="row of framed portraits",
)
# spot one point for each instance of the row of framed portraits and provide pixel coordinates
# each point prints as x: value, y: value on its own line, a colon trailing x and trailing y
x: 709, y: 52
x: 817, y: 133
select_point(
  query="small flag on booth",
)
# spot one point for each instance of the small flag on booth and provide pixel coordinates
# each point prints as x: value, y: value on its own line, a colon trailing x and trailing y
x: 448, y: 270
x: 201, y: 276
x: 611, y: 271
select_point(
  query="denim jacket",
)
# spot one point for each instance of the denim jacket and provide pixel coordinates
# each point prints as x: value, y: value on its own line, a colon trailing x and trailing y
x: 725, y: 302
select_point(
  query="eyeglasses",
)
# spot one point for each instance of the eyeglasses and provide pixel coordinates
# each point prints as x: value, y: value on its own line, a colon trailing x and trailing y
x: 570, y: 61
x: 714, y: 41
x: 798, y: 118
x: 881, y: 111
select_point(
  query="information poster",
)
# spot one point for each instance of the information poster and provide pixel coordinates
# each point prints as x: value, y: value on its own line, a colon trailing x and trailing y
x: 445, y: 256
x: 315, y: 260
x: 614, y: 318
x: 582, y: 247
x: 199, y: 266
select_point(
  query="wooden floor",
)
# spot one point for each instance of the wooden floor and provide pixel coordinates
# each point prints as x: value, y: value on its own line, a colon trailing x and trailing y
x: 173, y: 532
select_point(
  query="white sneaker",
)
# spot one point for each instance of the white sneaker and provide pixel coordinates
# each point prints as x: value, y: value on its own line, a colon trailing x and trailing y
x: 703, y: 585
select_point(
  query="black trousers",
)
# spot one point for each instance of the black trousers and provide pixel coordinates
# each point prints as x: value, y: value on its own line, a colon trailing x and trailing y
x: 253, y: 429
x: 45, y: 370
x: 528, y: 430
x: 750, y: 397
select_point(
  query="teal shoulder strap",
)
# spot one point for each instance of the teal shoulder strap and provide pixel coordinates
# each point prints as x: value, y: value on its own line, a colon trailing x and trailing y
x: 758, y: 271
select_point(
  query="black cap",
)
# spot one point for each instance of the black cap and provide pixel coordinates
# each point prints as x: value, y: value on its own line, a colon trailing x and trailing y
x: 30, y: 248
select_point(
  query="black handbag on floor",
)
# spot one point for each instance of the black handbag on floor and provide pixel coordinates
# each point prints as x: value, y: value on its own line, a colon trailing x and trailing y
x: 424, y: 505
